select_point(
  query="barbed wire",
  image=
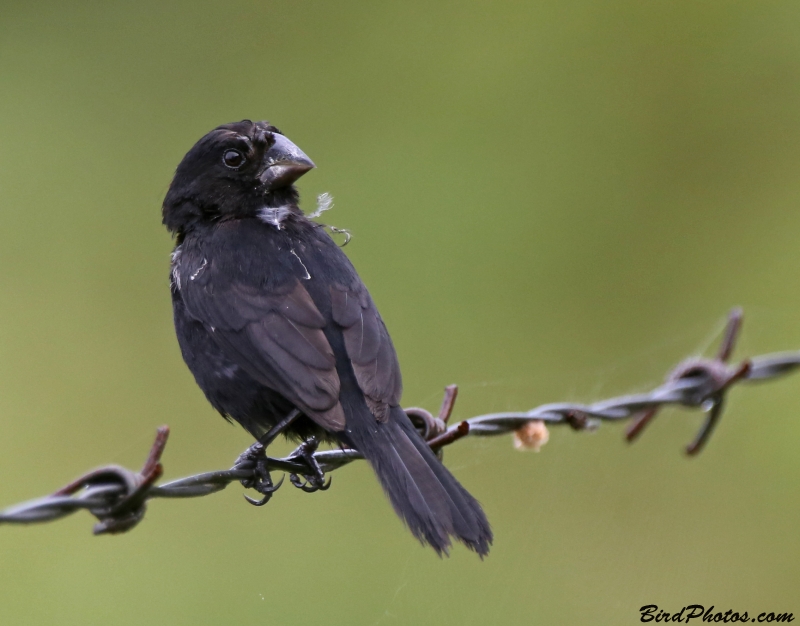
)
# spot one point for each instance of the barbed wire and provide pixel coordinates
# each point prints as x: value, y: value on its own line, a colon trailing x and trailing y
x: 117, y: 497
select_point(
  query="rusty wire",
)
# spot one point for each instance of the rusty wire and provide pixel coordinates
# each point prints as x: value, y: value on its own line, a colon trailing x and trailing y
x: 117, y: 496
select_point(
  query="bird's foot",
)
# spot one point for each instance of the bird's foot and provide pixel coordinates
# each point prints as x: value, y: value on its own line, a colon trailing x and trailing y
x: 314, y: 480
x: 255, y: 459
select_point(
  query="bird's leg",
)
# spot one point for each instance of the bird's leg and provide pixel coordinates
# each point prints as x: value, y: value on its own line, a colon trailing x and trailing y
x: 255, y: 458
x: 315, y: 479
x: 276, y: 430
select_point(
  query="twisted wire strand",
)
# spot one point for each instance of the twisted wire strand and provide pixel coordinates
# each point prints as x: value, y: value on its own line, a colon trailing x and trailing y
x: 117, y: 496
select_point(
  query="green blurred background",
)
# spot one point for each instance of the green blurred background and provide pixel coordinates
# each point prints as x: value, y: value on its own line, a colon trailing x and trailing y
x: 549, y: 201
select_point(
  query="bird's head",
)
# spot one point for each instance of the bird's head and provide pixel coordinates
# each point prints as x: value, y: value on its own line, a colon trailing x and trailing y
x: 236, y: 170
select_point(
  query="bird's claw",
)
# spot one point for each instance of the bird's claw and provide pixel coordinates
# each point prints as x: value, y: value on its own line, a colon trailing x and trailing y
x: 310, y: 484
x: 255, y: 458
x: 266, y: 490
x: 315, y: 479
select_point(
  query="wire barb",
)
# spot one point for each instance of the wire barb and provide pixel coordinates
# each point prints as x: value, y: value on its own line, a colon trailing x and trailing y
x: 117, y: 497
x: 718, y: 377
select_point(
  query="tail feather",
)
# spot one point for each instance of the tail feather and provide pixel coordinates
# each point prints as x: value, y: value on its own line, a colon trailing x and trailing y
x: 422, y: 491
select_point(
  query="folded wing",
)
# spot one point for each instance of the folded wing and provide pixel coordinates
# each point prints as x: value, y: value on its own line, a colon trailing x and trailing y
x: 275, y: 335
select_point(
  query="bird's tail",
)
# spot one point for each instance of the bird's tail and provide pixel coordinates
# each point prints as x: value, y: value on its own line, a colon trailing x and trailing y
x: 424, y: 494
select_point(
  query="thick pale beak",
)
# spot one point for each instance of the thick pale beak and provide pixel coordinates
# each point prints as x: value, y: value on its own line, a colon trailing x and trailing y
x: 284, y: 163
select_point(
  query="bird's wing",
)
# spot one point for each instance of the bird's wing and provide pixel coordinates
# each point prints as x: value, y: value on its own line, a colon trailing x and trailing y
x: 369, y: 347
x: 273, y: 331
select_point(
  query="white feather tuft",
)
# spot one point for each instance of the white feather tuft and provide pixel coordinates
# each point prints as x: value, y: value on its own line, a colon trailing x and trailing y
x: 274, y: 215
x: 324, y: 203
x: 174, y: 259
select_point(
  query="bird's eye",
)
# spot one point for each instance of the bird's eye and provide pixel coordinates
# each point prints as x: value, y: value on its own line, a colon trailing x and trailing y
x: 233, y: 159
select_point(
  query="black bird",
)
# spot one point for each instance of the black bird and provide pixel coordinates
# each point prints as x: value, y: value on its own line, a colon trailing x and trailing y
x: 279, y: 331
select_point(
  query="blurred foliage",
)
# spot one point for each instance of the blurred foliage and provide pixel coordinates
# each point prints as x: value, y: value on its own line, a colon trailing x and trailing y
x: 549, y: 201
